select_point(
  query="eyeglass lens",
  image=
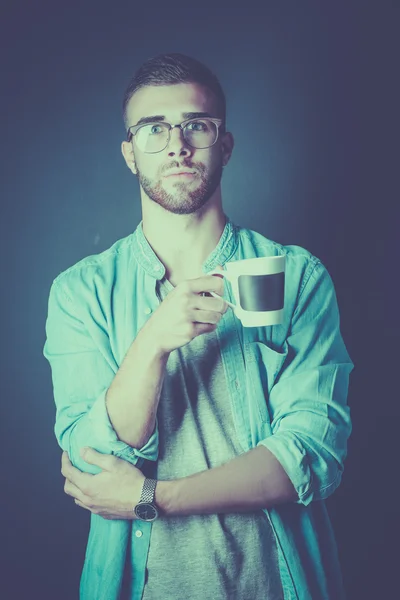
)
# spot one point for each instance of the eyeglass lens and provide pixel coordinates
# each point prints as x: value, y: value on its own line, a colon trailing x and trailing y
x: 154, y: 136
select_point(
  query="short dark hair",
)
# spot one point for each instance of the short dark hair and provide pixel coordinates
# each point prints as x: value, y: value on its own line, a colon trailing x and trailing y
x: 169, y: 69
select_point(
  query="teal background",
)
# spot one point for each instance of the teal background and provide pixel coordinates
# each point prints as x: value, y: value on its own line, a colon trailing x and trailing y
x: 312, y: 102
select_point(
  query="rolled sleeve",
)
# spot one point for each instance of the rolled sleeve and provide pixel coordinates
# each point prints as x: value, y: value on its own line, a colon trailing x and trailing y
x: 310, y: 418
x: 82, y: 372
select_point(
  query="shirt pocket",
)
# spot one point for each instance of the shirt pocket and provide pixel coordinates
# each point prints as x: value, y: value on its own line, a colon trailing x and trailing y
x: 264, y: 366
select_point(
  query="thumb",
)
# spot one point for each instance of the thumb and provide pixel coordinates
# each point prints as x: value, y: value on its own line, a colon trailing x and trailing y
x: 220, y: 268
x: 91, y: 456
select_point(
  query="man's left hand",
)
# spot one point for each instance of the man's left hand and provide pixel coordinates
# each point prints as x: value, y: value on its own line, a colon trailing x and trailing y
x: 112, y: 493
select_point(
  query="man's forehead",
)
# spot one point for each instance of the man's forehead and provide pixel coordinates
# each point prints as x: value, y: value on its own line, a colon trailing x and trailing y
x: 174, y: 100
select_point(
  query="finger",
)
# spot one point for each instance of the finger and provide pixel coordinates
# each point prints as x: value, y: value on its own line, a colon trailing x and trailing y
x: 64, y: 459
x: 75, y: 476
x: 105, y: 461
x: 201, y: 328
x: 211, y: 303
x: 65, y: 464
x: 208, y: 283
x: 82, y: 505
x: 211, y: 317
x: 225, y: 300
x: 72, y: 490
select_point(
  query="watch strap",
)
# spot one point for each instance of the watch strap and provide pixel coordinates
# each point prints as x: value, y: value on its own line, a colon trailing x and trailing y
x: 148, y: 490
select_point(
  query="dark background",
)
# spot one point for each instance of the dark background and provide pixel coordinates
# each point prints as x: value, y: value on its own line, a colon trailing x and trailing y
x: 312, y: 103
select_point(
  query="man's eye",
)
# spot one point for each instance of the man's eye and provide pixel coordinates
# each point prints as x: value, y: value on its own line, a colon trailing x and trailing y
x: 197, y: 126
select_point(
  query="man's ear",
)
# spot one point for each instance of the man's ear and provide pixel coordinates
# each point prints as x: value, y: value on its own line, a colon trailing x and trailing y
x: 227, y: 148
x: 128, y: 155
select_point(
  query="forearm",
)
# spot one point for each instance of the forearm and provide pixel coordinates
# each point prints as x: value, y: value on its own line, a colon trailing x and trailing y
x: 248, y: 482
x: 133, y: 397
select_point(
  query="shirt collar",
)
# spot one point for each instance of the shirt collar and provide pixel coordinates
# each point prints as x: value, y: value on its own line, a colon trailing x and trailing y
x: 149, y: 261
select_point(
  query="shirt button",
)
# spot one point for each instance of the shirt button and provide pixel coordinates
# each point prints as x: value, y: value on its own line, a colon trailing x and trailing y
x: 147, y: 310
x: 139, y: 533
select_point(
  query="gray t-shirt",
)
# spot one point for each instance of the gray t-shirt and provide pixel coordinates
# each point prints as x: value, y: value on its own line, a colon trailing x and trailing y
x: 204, y: 557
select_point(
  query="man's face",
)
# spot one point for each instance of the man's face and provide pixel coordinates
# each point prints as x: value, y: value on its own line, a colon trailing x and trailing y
x: 179, y: 195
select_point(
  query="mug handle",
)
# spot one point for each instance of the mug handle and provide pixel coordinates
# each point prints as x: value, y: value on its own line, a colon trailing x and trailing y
x: 224, y: 274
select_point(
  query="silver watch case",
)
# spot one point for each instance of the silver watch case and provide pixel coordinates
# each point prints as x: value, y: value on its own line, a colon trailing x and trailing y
x: 146, y: 511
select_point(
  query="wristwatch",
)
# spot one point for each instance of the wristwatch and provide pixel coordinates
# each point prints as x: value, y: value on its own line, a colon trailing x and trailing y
x: 146, y: 510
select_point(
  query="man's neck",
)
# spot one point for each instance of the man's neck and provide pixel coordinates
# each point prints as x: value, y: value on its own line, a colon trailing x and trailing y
x: 184, y: 242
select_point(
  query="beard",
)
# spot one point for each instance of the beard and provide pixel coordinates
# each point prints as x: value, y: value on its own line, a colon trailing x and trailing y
x: 182, y: 200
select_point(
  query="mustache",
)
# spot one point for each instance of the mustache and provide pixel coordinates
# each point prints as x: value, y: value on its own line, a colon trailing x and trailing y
x: 197, y: 167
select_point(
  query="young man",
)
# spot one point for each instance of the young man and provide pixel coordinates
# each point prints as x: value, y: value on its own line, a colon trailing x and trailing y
x: 212, y: 446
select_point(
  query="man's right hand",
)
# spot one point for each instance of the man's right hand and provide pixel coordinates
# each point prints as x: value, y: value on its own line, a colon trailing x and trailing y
x: 185, y: 313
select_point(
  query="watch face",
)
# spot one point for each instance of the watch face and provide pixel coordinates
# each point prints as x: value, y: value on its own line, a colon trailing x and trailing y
x: 146, y: 511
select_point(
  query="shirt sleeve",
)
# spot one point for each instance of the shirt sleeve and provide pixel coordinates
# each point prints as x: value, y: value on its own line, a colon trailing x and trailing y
x: 308, y: 402
x: 82, y: 372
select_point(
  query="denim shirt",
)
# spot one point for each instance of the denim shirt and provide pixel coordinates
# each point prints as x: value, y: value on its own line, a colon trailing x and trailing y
x: 287, y: 384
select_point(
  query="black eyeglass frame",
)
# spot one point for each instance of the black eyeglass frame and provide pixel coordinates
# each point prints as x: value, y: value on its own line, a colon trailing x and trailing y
x: 133, y: 129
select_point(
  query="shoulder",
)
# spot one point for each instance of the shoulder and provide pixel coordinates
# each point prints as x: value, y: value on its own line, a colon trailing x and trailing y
x: 309, y: 288
x: 300, y: 262
x: 96, y: 269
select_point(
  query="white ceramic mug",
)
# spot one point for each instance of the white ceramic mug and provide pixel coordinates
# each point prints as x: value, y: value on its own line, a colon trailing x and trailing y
x: 258, y: 286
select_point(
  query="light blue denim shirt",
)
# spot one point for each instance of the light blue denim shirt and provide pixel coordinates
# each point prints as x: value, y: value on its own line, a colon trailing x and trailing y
x: 287, y: 383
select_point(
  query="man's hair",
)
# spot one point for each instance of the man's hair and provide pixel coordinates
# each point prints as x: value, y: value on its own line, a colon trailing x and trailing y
x: 169, y: 69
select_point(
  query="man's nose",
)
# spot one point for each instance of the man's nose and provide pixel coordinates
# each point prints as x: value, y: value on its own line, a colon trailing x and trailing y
x: 177, y: 142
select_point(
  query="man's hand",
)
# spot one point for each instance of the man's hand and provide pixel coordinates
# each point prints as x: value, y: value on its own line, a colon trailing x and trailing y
x: 185, y: 313
x: 113, y: 493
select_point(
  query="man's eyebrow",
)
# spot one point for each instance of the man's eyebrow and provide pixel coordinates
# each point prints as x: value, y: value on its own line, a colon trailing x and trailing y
x: 186, y: 115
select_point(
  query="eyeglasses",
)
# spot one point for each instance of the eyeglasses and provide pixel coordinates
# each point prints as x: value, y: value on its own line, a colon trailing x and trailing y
x: 154, y: 137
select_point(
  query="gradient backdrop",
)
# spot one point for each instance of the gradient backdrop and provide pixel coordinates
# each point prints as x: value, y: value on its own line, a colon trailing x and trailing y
x: 310, y: 91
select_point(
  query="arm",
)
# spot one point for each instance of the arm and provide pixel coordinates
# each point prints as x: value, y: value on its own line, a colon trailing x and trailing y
x: 248, y: 482
x: 310, y: 422
x: 133, y: 397
x: 308, y: 401
x: 82, y: 372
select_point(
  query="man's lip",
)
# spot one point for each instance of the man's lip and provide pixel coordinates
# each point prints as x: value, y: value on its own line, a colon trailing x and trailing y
x: 182, y: 173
